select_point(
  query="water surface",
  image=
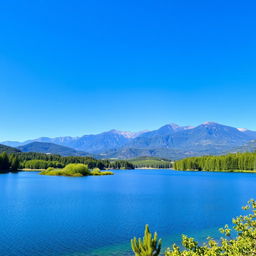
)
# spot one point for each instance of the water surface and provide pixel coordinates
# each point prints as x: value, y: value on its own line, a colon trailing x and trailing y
x: 61, y: 216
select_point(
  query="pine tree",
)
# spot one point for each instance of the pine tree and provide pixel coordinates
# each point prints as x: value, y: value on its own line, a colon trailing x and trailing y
x: 4, y: 162
x: 148, y: 246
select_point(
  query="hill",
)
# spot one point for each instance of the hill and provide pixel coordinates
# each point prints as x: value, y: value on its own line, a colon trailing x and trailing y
x: 50, y: 148
x: 8, y: 150
x: 247, y: 147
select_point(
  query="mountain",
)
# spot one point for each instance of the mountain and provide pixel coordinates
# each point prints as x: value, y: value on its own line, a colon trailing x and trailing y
x: 128, y: 153
x: 58, y: 140
x: 88, y: 143
x: 8, y: 150
x: 13, y: 144
x: 50, y: 148
x: 100, y: 142
x: 200, y: 137
x: 169, y: 141
x: 252, y: 134
x: 174, y: 142
x: 247, y: 147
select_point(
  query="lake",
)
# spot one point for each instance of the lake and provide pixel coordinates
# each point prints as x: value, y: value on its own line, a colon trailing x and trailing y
x: 61, y: 216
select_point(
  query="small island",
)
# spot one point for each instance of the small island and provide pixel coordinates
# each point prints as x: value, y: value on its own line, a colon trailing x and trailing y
x: 75, y: 170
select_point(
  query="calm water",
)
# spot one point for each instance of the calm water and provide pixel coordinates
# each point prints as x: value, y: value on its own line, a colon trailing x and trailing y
x: 60, y: 216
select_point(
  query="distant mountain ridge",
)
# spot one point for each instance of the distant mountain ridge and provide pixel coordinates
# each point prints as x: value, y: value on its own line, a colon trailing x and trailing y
x: 7, y: 149
x: 170, y: 141
x: 51, y: 148
x: 247, y: 147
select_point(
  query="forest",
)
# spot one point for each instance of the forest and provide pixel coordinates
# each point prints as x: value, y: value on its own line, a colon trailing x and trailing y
x: 44, y: 161
x: 229, y: 162
x: 8, y: 162
x: 151, y: 162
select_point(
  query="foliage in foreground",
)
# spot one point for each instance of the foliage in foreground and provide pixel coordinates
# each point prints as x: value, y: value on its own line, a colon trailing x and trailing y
x: 230, y: 162
x: 243, y: 244
x: 148, y: 246
x: 74, y: 170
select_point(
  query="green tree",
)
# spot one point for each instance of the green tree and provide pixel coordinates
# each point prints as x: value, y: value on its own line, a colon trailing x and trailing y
x: 148, y: 246
x: 242, y: 244
x: 230, y: 162
x: 4, y: 162
x: 14, y: 163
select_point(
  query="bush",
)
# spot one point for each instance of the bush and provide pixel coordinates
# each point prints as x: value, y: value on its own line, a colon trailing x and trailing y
x: 54, y: 172
x: 107, y: 173
x: 243, y: 244
x: 72, y: 169
x: 99, y: 173
x: 148, y: 246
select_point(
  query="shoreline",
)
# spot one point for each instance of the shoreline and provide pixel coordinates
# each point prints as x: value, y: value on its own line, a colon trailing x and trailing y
x: 224, y: 171
x: 152, y: 168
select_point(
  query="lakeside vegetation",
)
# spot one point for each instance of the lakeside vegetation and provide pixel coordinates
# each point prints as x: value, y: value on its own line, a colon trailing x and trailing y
x: 58, y: 165
x: 75, y: 170
x: 8, y: 163
x: 43, y: 161
x: 151, y: 162
x: 239, y: 162
x: 239, y: 240
x: 232, y: 163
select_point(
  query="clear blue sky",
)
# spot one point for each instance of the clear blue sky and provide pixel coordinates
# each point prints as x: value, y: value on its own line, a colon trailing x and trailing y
x: 79, y: 67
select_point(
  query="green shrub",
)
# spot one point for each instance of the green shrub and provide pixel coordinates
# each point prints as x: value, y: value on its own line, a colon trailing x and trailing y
x: 75, y: 170
x: 242, y: 244
x: 95, y: 172
x: 107, y: 173
x: 53, y: 172
x: 99, y: 173
x: 148, y: 246
x: 72, y: 169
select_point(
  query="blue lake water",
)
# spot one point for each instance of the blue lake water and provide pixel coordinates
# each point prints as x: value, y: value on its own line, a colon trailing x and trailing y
x: 61, y: 216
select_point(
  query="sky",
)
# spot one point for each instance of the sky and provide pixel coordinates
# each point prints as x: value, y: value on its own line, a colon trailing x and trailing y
x: 87, y: 66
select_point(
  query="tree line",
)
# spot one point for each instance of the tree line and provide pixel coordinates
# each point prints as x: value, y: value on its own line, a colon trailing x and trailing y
x: 151, y: 162
x: 229, y: 162
x: 8, y: 162
x: 43, y: 161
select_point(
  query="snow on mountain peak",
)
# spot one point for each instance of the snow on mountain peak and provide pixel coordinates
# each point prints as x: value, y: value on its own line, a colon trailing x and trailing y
x: 242, y: 129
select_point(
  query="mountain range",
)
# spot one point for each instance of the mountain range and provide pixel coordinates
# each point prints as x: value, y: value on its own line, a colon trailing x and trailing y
x: 50, y: 148
x: 170, y: 141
